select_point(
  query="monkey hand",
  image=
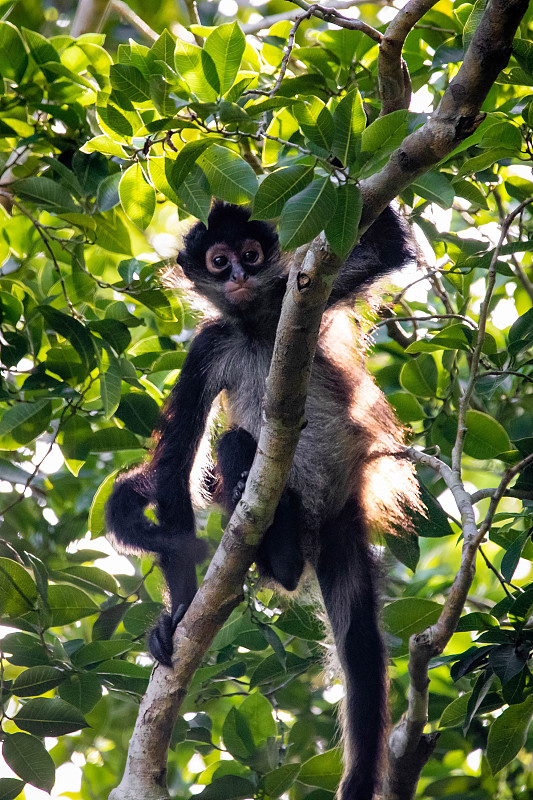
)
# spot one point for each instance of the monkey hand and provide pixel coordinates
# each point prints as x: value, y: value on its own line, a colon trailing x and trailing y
x: 160, y: 638
x: 239, y: 486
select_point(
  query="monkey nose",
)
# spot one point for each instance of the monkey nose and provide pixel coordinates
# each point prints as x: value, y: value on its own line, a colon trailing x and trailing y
x: 239, y: 275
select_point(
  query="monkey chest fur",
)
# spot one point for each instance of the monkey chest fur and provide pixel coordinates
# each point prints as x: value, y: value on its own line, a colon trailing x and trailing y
x: 322, y: 471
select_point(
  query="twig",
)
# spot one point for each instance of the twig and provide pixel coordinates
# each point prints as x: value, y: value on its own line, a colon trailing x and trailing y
x: 426, y: 318
x: 393, y: 75
x: 41, y: 230
x: 483, y: 494
x: 493, y: 569
x: 134, y: 19
x: 483, y: 316
x: 267, y: 22
x: 507, y: 477
x: 335, y: 17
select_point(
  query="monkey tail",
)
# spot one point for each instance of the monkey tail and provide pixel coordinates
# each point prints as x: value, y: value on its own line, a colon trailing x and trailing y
x: 124, y: 511
x: 346, y: 575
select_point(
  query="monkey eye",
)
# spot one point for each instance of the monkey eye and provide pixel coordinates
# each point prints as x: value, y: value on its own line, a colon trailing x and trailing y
x: 220, y: 262
x: 250, y: 256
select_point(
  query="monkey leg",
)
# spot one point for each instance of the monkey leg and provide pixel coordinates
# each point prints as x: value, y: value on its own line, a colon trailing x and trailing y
x: 347, y: 577
x: 279, y: 556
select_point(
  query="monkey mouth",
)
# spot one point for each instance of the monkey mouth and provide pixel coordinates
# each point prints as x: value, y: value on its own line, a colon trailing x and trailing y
x: 239, y: 294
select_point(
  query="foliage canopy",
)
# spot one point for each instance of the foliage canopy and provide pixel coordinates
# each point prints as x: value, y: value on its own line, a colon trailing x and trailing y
x: 107, y: 150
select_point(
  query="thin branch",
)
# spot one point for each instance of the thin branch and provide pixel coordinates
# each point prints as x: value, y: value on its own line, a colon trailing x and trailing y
x: 507, y: 477
x: 426, y: 319
x: 267, y: 22
x: 483, y: 494
x: 483, y: 316
x: 127, y: 13
x: 393, y: 75
x: 336, y: 18
x: 89, y: 17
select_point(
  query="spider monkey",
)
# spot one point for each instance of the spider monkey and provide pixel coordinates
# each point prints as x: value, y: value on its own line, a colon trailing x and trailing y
x: 344, y: 480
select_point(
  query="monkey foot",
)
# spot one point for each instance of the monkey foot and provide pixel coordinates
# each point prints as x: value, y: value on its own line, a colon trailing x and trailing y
x: 160, y: 638
x: 239, y: 487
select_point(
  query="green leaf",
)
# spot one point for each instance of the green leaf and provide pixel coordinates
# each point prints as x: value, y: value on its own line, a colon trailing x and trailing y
x: 420, y: 376
x: 226, y: 46
x: 95, y: 652
x: 257, y: 711
x: 350, y: 120
x: 188, y: 62
x: 278, y: 187
x: 302, y: 621
x: 74, y: 332
x: 177, y: 169
x: 48, y: 716
x: 129, y: 80
x: 124, y: 675
x: 74, y: 438
x: 229, y: 176
x: 229, y: 787
x: 470, y: 192
x: 237, y: 735
x: 45, y: 193
x: 163, y: 49
x: 25, y: 650
x: 411, y: 615
x: 29, y: 759
x: 315, y: 122
x: 137, y: 197
x: 25, y: 421
x: 139, y: 412
x: 405, y: 548
x: 507, y: 734
x: 280, y: 780
x: 110, y: 384
x: 454, y: 714
x: 436, y: 187
x: 82, y: 690
x: 342, y: 229
x: 435, y: 523
x: 407, y: 407
x: 10, y: 788
x: 37, y: 680
x: 386, y: 133
x: 324, y: 771
x: 13, y: 56
x: 106, y: 145
x: 17, y: 589
x: 485, y: 437
x: 92, y: 578
x: 69, y: 604
x: 306, y: 214
x: 41, y: 49
x: 107, y: 196
x: 108, y: 440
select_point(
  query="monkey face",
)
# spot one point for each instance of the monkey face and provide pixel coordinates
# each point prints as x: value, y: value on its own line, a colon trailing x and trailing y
x: 236, y: 267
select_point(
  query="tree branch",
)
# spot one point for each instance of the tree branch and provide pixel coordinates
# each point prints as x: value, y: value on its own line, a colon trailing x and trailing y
x: 458, y: 114
x: 309, y: 285
x: 267, y: 22
x: 90, y: 16
x: 329, y: 14
x: 393, y: 75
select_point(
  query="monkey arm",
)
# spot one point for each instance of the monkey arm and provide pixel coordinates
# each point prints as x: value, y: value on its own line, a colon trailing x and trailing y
x: 181, y: 429
x: 387, y: 245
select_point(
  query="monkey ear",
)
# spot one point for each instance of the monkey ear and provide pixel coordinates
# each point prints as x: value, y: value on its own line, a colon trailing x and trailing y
x: 185, y: 263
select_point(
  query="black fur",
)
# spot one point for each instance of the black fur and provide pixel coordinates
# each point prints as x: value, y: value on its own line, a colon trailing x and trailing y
x: 320, y: 519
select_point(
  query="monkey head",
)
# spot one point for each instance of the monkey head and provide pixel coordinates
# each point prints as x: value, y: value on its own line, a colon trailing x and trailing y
x: 233, y: 260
